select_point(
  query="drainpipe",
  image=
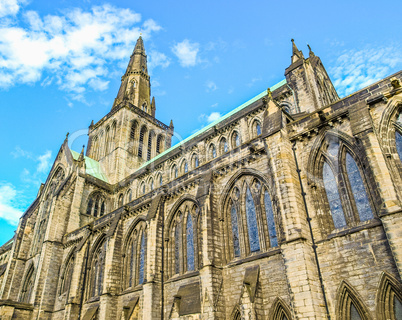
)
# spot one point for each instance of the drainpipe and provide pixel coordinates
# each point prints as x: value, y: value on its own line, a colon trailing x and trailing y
x: 163, y: 256
x: 311, y: 232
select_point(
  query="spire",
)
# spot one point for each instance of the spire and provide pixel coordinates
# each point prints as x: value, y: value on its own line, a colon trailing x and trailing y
x: 81, y: 157
x: 135, y: 85
x: 310, y: 52
x: 139, y: 46
x: 296, y: 53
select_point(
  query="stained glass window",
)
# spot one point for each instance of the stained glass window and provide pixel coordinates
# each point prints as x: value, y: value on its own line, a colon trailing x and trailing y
x: 142, y: 259
x: 235, y: 230
x: 89, y: 208
x: 160, y: 180
x: 102, y: 211
x: 213, y: 151
x: 185, y: 167
x: 132, y: 264
x: 270, y: 220
x: 152, y: 184
x: 236, y: 139
x: 258, y: 129
x: 252, y: 222
x: 354, y: 314
x: 190, y: 243
x: 398, y: 140
x: 334, y: 200
x: 397, y: 308
x: 177, y: 249
x: 358, y: 190
x: 333, y: 149
x: 196, y: 163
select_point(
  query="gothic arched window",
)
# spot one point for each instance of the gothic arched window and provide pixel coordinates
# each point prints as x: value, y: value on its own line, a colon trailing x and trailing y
x: 96, y: 204
x: 160, y: 179
x: 174, y: 172
x: 150, y: 143
x: 67, y: 275
x: 151, y: 184
x: 389, y: 298
x: 250, y: 222
x: 349, y: 305
x: 223, y: 146
x: 345, y: 190
x: 27, y: 287
x: 235, y: 140
x: 184, y: 167
x: 159, y: 144
x: 97, y: 271
x: 141, y: 141
x: 133, y: 129
x: 190, y: 243
x: 121, y: 200
x: 182, y: 234
x: 256, y: 128
x: 129, y: 195
x: 212, y: 152
x: 195, y: 161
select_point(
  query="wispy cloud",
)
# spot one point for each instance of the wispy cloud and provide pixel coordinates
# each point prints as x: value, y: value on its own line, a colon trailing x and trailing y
x: 214, y: 105
x: 43, y: 164
x: 8, y: 208
x: 211, y: 86
x: 156, y: 59
x: 72, y: 49
x: 356, y: 69
x: 209, y: 118
x: 253, y: 81
x: 187, y: 53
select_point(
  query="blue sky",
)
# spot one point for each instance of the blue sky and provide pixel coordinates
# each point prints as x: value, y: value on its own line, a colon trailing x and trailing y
x: 61, y: 63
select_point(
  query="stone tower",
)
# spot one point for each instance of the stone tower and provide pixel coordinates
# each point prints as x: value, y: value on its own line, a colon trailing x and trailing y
x: 309, y: 81
x: 129, y: 134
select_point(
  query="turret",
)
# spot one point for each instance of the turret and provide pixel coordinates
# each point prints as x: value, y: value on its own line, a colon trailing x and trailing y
x: 309, y: 81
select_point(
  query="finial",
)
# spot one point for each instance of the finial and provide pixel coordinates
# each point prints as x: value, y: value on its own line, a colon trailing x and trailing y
x: 92, y: 124
x: 311, y: 53
x: 293, y: 40
x: 81, y: 157
x: 66, y: 139
x: 171, y: 124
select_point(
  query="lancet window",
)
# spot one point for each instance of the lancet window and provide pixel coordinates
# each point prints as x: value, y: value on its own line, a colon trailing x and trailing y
x: 250, y: 223
x: 135, y: 257
x: 344, y: 184
x: 96, y: 206
x: 97, y: 271
x: 182, y: 235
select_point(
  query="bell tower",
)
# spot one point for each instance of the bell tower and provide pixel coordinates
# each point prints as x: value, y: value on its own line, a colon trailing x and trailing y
x: 135, y: 83
x: 129, y: 135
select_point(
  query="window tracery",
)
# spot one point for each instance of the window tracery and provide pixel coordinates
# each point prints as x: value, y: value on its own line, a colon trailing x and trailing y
x: 235, y: 139
x: 27, y: 287
x: 344, y: 186
x: 97, y: 271
x: 67, y: 275
x: 182, y: 235
x: 97, y: 204
x: 141, y: 141
x: 251, y: 220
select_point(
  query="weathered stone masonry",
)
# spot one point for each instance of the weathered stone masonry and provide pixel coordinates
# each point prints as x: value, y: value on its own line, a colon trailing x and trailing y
x: 287, y: 208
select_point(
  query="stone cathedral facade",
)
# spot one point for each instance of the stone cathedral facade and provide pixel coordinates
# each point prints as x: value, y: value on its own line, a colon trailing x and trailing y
x: 288, y: 207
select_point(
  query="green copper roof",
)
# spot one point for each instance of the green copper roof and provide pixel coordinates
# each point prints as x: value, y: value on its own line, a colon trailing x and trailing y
x: 257, y: 97
x: 92, y: 167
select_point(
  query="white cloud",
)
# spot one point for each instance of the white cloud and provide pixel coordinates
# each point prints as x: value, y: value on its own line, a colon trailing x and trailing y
x: 72, y: 50
x: 187, y: 52
x: 8, y: 211
x: 157, y: 59
x: 214, y: 105
x: 356, y: 69
x: 43, y: 164
x: 209, y: 118
x: 211, y: 86
x: 9, y: 7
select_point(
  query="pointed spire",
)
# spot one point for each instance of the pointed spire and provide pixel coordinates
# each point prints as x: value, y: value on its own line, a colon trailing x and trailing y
x: 296, y: 53
x: 310, y: 52
x: 66, y: 139
x: 92, y: 124
x: 81, y: 157
x: 171, y: 126
x: 139, y: 46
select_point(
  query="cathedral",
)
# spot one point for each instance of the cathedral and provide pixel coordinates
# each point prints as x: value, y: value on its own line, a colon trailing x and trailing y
x: 288, y: 207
